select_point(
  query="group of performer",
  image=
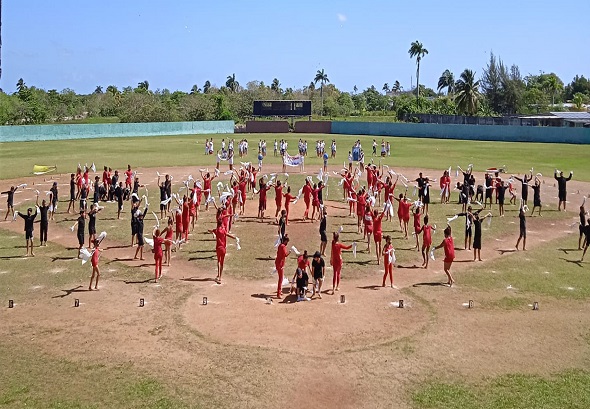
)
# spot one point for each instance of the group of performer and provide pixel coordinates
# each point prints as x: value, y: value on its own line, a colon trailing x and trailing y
x: 371, y: 203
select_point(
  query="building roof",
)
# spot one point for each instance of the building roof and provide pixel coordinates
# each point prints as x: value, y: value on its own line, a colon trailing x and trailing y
x: 572, y: 116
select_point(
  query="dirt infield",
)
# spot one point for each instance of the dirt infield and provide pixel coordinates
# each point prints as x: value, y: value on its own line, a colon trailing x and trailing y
x: 363, y: 353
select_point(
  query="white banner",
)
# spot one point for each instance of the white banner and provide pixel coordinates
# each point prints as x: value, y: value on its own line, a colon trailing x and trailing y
x: 293, y: 161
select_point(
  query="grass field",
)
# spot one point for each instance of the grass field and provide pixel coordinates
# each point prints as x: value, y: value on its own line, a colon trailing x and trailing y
x: 17, y: 158
x: 240, y: 352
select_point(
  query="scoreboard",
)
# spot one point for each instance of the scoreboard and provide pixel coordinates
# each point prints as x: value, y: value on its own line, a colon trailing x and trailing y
x: 282, y: 108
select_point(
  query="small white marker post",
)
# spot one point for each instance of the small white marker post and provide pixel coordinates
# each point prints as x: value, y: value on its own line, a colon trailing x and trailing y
x: 535, y: 306
x: 470, y: 303
x: 204, y: 300
x: 400, y: 304
x: 76, y: 302
x: 10, y: 303
x: 141, y: 302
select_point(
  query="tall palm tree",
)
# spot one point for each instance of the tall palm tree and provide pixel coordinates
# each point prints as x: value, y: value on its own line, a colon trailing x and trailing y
x: 98, y: 89
x: 20, y: 85
x: 385, y: 88
x: 195, y: 89
x: 231, y: 83
x: 355, y: 89
x: 275, y: 85
x: 467, y: 93
x: 417, y: 50
x: 145, y: 85
x: 111, y: 89
x: 322, y: 78
x: 446, y: 80
x: 552, y: 85
x: 206, y: 87
x: 396, y: 87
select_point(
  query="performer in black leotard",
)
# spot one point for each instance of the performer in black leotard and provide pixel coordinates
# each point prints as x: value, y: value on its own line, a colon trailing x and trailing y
x: 524, y: 186
x: 536, y: 195
x: 10, y: 201
x: 582, y: 227
x: 562, y: 187
x: 522, y: 235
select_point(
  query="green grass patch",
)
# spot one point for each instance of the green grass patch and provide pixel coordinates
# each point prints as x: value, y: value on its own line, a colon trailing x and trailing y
x: 570, y: 389
x: 35, y: 380
x: 17, y: 158
x: 508, y: 303
x: 551, y: 269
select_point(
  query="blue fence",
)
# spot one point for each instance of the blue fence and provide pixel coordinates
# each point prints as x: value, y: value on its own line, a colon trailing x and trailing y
x: 85, y: 131
x: 471, y: 132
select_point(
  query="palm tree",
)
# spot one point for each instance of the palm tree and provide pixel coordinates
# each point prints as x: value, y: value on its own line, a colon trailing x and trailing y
x: 195, y: 89
x: 276, y: 86
x: 231, y: 83
x: 578, y: 100
x: 417, y: 50
x: 206, y: 87
x: 98, y: 89
x: 552, y: 85
x: 396, y: 87
x: 467, y: 93
x: 143, y: 85
x: 20, y: 85
x: 311, y: 86
x: 355, y: 89
x: 322, y: 78
x: 111, y: 89
x: 446, y: 80
x: 385, y: 88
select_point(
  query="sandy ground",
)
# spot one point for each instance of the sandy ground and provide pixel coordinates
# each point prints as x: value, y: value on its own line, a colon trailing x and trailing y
x: 363, y: 353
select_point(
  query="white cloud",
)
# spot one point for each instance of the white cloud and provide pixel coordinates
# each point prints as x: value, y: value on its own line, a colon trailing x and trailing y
x: 341, y: 17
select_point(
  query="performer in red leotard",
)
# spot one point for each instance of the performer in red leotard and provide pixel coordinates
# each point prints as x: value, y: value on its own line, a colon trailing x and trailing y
x: 282, y: 253
x: 336, y: 260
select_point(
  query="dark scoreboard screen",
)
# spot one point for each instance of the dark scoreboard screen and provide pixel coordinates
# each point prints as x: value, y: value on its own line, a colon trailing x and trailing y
x: 282, y: 108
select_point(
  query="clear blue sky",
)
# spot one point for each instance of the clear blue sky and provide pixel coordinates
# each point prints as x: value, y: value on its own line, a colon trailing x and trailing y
x: 177, y: 43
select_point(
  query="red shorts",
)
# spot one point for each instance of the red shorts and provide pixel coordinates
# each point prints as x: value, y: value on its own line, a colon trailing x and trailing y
x: 448, y: 260
x: 378, y: 236
x: 178, y: 228
x: 416, y: 230
x: 368, y: 229
x: 427, y: 243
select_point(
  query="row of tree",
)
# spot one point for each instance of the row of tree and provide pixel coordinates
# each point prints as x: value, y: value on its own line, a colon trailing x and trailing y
x: 501, y: 90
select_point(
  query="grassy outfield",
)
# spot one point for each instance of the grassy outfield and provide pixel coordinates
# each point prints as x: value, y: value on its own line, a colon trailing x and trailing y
x: 552, y: 269
x: 564, y: 390
x: 36, y: 380
x: 17, y: 158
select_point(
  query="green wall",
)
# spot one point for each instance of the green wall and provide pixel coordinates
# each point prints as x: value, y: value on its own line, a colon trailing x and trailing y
x: 471, y: 132
x: 83, y: 131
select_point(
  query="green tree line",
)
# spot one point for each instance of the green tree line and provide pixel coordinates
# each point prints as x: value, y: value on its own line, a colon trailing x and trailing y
x: 500, y: 90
